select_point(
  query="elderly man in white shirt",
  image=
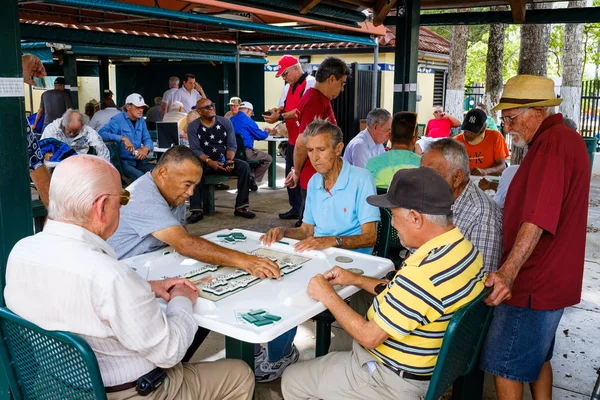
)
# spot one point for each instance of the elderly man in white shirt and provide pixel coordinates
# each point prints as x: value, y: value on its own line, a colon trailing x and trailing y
x: 189, y: 93
x: 67, y: 278
x: 70, y: 130
x: 101, y: 118
x: 369, y: 142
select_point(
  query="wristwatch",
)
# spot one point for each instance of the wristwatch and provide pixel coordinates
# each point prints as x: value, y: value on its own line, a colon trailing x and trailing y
x: 338, y: 242
x: 281, y: 117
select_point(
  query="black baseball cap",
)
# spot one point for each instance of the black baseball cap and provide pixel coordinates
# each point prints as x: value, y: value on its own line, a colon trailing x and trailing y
x: 59, y: 81
x: 420, y: 189
x: 474, y: 120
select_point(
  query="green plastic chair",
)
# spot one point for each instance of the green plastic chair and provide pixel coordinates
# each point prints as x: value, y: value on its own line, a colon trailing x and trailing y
x: 240, y: 152
x: 39, y: 215
x: 388, y: 243
x: 47, y: 365
x: 458, y: 359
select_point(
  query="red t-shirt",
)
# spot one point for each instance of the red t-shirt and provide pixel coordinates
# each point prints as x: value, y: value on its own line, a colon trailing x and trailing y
x: 313, y: 105
x: 488, y: 152
x: 439, y: 128
x: 550, y: 190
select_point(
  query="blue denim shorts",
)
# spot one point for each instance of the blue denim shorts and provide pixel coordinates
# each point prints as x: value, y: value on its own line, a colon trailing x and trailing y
x: 519, y: 341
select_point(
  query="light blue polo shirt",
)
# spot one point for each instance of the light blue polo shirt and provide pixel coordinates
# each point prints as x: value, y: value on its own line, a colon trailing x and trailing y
x: 342, y: 211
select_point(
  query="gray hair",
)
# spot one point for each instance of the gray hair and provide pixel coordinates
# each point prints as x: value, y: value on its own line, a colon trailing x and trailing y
x: 320, y: 126
x: 455, y: 154
x: 74, y: 188
x: 441, y: 220
x: 173, y: 81
x: 378, y: 116
x: 175, y: 106
x: 68, y: 117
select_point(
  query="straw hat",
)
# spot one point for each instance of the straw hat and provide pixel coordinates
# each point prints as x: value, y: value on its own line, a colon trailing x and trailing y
x: 527, y: 91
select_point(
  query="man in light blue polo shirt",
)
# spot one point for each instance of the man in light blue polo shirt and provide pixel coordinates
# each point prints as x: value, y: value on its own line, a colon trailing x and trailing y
x: 336, y: 214
x: 129, y: 130
x: 371, y: 141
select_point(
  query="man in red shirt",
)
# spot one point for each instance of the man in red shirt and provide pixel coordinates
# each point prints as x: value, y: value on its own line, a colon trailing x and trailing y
x: 316, y: 103
x: 440, y: 125
x: 544, y: 228
x: 297, y: 84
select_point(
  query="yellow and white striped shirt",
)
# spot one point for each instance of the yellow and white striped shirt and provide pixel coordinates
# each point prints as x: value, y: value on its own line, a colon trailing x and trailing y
x: 443, y: 275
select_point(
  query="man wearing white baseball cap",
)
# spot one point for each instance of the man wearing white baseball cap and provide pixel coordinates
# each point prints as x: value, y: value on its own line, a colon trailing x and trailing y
x: 129, y: 130
x: 245, y: 126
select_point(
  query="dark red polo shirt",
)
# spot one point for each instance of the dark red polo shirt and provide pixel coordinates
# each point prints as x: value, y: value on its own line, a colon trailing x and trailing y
x: 551, y: 190
x: 313, y: 104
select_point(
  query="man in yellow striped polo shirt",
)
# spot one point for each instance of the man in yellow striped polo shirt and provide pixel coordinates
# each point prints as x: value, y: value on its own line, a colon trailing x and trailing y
x: 396, y: 347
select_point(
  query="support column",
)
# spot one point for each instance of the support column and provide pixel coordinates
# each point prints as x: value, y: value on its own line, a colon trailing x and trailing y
x: 70, y: 71
x: 375, y: 100
x: 103, y: 75
x: 15, y: 196
x: 224, y: 92
x: 406, y: 57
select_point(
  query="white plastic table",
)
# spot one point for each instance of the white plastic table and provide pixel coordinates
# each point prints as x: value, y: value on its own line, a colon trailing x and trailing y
x: 286, y: 298
x: 273, y: 153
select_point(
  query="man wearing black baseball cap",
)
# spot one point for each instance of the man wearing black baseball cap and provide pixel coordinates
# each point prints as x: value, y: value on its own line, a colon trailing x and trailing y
x: 400, y: 337
x: 486, y: 148
x: 54, y: 103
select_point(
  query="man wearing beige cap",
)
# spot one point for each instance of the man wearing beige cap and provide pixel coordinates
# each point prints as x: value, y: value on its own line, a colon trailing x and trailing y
x: 396, y: 344
x: 544, y: 229
x: 234, y: 107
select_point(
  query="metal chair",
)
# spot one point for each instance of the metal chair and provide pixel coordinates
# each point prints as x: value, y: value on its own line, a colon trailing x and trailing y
x: 458, y: 358
x: 47, y: 365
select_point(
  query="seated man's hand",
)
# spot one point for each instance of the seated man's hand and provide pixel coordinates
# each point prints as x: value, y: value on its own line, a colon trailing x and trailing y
x: 228, y: 166
x: 161, y: 288
x: 502, y: 285
x: 315, y: 243
x: 340, y: 276
x: 185, y: 291
x: 272, y: 236
x: 142, y: 153
x: 292, y: 179
x: 127, y: 143
x: 215, y: 165
x: 320, y: 289
x: 261, y: 267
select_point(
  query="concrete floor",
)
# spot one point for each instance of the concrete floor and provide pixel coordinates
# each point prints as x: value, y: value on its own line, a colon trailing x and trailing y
x: 576, y: 355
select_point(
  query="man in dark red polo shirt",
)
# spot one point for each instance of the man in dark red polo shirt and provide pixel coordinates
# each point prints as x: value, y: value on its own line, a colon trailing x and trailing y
x: 316, y: 103
x: 545, y: 217
x: 297, y: 84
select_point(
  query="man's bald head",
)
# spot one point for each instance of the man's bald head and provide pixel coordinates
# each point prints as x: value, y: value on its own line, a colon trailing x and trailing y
x: 77, y: 183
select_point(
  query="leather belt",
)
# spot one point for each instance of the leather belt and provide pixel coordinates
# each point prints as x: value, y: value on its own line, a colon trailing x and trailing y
x: 408, y: 375
x: 121, y: 387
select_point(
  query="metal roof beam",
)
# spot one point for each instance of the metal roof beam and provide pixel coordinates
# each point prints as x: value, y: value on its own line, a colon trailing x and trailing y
x: 550, y: 16
x: 203, y: 19
x: 81, y: 36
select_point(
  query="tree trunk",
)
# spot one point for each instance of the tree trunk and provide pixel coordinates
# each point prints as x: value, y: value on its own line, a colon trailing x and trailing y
x: 535, y: 40
x: 533, y: 59
x: 493, y: 67
x: 572, y: 67
x: 455, y: 92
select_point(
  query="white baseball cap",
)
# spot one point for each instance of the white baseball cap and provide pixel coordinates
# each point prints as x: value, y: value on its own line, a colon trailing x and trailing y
x: 247, y: 104
x: 136, y: 99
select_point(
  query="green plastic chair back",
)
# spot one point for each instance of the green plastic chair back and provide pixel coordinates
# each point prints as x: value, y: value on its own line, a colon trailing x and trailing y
x: 153, y: 135
x: 47, y: 365
x: 241, y: 150
x: 382, y: 245
x: 461, y: 345
x: 115, y: 155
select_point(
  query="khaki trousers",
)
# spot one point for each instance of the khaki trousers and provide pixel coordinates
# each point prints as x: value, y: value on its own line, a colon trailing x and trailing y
x: 259, y: 172
x: 217, y: 380
x: 346, y: 375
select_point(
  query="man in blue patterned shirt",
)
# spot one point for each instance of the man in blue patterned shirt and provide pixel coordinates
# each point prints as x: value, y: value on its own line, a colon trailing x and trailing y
x: 476, y: 215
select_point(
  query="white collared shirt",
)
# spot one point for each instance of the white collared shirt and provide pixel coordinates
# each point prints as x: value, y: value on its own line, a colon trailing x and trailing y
x: 67, y: 278
x: 186, y: 98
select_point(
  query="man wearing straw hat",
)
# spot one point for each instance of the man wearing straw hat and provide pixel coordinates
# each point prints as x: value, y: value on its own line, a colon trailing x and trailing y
x: 544, y: 228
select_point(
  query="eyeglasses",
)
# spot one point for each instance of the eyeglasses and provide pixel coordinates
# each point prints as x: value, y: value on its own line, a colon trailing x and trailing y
x: 285, y: 74
x: 207, y: 107
x: 124, y: 197
x: 438, y: 112
x: 509, y: 120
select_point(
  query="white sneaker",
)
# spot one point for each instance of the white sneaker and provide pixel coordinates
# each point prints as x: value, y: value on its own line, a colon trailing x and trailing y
x: 268, y: 371
x: 260, y: 357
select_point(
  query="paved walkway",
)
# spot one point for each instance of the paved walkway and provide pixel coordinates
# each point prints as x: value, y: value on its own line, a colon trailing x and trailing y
x: 577, y: 351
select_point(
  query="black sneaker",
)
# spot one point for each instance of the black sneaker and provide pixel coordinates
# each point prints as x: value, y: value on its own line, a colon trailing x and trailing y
x: 244, y: 213
x: 194, y: 217
x: 221, y: 186
x: 253, y: 185
x: 289, y: 215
